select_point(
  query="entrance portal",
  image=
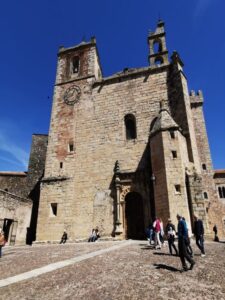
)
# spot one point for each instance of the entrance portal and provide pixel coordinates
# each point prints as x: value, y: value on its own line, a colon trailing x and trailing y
x: 9, y: 227
x: 134, y: 216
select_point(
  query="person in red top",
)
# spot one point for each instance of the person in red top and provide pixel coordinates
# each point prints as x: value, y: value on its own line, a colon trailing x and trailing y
x: 157, y: 229
x: 2, y: 241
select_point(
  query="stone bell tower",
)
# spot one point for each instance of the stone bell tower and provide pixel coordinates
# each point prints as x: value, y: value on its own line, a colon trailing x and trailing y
x: 77, y: 69
x: 157, y: 46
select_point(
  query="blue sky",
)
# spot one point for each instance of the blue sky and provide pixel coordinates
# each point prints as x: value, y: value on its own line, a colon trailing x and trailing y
x: 32, y: 31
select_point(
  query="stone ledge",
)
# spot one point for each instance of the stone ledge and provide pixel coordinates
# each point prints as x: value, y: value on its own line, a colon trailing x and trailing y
x: 53, y: 179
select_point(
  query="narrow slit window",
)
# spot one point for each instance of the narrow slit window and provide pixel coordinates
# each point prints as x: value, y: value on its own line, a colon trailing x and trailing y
x: 204, y: 167
x: 71, y: 147
x: 177, y: 189
x: 205, y: 195
x: 174, y: 154
x: 61, y: 165
x: 172, y: 134
x: 54, y: 209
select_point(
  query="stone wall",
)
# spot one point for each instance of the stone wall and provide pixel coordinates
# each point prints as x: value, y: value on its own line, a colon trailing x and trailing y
x: 36, y: 164
x: 217, y: 208
x: 14, y: 182
x: 17, y: 209
x: 181, y: 107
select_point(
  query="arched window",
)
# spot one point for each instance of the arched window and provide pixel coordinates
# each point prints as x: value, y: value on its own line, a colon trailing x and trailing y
x: 157, y: 46
x: 75, y: 64
x: 159, y: 61
x: 130, y: 124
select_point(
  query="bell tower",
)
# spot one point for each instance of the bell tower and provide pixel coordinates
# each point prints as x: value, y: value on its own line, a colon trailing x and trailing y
x: 78, y: 62
x: 78, y: 68
x: 158, y: 54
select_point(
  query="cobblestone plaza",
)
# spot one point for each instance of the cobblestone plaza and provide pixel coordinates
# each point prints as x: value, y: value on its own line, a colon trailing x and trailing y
x: 109, y: 270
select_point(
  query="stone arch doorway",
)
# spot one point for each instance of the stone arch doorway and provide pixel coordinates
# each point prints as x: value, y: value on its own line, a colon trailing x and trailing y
x: 134, y: 216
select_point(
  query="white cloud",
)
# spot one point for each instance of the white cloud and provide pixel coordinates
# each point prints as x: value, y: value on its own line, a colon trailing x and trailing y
x: 16, y: 152
x: 201, y: 7
x: 10, y: 161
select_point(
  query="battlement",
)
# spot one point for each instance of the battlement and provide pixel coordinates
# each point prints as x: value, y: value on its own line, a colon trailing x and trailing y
x: 196, y: 97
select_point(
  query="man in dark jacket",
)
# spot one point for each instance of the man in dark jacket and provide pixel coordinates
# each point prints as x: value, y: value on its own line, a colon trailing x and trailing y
x: 199, y: 234
x: 182, y: 244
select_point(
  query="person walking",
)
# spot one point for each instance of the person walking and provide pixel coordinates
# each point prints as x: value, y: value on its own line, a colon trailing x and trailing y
x: 171, y: 232
x: 189, y: 248
x: 199, y: 234
x: 157, y: 229
x: 216, y: 238
x: 150, y: 233
x: 182, y: 242
x: 161, y: 234
x: 2, y: 241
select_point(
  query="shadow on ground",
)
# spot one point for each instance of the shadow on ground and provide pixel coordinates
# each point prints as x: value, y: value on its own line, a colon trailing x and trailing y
x: 147, y: 247
x: 161, y: 253
x: 165, y: 267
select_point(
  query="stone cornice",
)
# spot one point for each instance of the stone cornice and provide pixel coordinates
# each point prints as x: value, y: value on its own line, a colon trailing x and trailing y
x: 82, y: 45
x: 9, y: 173
x: 129, y: 73
x: 75, y: 79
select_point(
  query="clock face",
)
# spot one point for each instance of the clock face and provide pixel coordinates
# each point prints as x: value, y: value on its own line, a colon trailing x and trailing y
x: 72, y: 95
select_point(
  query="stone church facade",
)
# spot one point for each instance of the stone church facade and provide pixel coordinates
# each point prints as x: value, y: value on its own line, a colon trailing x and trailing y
x: 121, y: 150
x: 125, y: 148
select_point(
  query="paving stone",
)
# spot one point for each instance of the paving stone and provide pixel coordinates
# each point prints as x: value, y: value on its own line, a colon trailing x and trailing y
x: 135, y: 271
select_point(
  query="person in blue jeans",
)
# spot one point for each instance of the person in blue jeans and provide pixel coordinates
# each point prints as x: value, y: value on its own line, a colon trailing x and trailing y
x: 182, y: 244
x: 199, y: 234
x: 150, y: 233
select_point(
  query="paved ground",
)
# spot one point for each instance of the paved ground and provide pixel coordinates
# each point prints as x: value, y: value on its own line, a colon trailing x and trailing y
x: 110, y: 270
